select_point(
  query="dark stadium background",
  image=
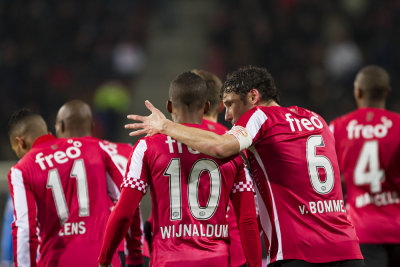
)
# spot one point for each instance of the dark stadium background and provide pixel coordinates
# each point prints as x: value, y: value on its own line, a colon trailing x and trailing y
x: 114, y: 54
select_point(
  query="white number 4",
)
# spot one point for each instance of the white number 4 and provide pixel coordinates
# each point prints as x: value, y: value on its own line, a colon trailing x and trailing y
x: 367, y: 169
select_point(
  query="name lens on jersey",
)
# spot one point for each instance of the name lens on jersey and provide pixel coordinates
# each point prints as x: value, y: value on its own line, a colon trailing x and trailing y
x: 61, y: 157
x: 381, y: 199
x: 72, y: 228
x: 367, y: 131
x: 325, y: 206
x: 307, y: 124
x: 193, y: 230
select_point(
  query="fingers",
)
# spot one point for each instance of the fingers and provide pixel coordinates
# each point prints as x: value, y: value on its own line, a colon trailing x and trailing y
x: 136, y: 117
x: 134, y: 126
x: 138, y: 132
x: 150, y: 106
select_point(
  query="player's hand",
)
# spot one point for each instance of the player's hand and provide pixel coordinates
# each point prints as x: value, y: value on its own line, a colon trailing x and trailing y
x: 149, y: 125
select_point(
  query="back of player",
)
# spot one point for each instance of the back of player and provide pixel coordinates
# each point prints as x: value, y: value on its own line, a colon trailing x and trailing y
x: 368, y: 148
x: 190, y: 193
x: 58, y: 184
x: 235, y: 248
x: 295, y: 170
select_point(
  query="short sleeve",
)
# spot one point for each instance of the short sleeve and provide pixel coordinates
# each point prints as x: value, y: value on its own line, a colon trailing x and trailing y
x: 137, y: 174
x: 242, y: 182
x: 247, y: 129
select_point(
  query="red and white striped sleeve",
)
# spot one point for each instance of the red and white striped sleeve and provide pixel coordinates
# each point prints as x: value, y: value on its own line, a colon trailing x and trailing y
x: 24, y: 230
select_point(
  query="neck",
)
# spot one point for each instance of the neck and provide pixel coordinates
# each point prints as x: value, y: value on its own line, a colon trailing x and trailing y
x: 184, y: 116
x: 371, y: 104
x: 77, y: 133
x: 211, y: 118
x: 269, y: 103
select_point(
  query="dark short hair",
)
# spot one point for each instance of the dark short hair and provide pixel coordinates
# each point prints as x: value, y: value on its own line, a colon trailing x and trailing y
x: 375, y: 82
x: 188, y: 89
x: 18, y: 118
x: 246, y: 78
x: 214, y: 85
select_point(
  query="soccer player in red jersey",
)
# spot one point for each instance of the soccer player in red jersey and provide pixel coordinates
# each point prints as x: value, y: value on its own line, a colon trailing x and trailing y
x: 75, y: 119
x: 210, y: 120
x: 59, y: 191
x: 368, y: 149
x: 294, y: 167
x: 190, y: 193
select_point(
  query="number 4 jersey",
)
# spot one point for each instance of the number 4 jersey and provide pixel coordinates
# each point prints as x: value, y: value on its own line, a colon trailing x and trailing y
x: 59, y: 189
x: 368, y: 148
x: 296, y: 175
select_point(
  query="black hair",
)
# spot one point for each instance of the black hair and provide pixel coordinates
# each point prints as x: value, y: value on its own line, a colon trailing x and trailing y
x: 188, y: 89
x: 250, y: 77
x: 19, y: 117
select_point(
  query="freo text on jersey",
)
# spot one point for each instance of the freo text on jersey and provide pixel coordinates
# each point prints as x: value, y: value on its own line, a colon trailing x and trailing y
x: 323, y: 206
x: 368, y: 131
x: 58, y: 156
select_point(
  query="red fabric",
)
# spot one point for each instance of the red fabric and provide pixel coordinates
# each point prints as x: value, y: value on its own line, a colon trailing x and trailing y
x: 118, y: 224
x: 245, y: 211
x: 295, y: 169
x: 368, y: 149
x: 200, y: 229
x: 44, y: 186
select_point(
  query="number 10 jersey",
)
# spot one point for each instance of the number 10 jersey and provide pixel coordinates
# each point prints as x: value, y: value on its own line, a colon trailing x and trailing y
x: 190, y: 193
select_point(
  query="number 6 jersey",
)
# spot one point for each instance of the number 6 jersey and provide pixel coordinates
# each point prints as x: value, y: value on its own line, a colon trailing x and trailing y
x: 368, y: 148
x: 296, y: 176
x: 59, y: 189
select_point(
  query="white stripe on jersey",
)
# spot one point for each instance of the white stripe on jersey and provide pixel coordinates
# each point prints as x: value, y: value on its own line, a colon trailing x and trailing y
x: 22, y: 219
x: 135, y: 168
x: 279, y: 255
x: 255, y: 122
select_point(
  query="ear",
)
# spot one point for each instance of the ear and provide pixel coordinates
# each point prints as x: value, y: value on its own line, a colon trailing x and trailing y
x: 358, y: 93
x: 254, y: 96
x: 169, y: 106
x: 206, y: 107
x: 21, y: 142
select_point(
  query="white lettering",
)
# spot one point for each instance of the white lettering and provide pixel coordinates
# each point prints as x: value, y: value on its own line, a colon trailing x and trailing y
x: 316, y: 122
x: 60, y: 157
x: 312, y: 207
x: 368, y: 131
x: 40, y: 160
x: 74, y: 155
x: 166, y: 233
x: 187, y: 230
x: 307, y: 124
x: 210, y: 230
x: 320, y: 206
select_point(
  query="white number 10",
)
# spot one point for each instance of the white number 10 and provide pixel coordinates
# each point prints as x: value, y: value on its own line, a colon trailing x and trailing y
x: 200, y: 213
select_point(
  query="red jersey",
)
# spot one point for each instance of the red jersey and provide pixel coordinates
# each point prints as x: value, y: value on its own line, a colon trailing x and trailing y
x: 59, y: 189
x: 214, y: 126
x: 294, y: 167
x: 190, y: 193
x: 119, y: 152
x: 368, y: 149
x: 235, y: 248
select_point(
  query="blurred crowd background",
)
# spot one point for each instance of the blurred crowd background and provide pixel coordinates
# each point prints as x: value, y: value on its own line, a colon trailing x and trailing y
x: 97, y: 50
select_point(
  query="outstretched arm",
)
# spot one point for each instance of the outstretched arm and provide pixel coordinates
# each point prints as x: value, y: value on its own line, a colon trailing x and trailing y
x: 218, y: 146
